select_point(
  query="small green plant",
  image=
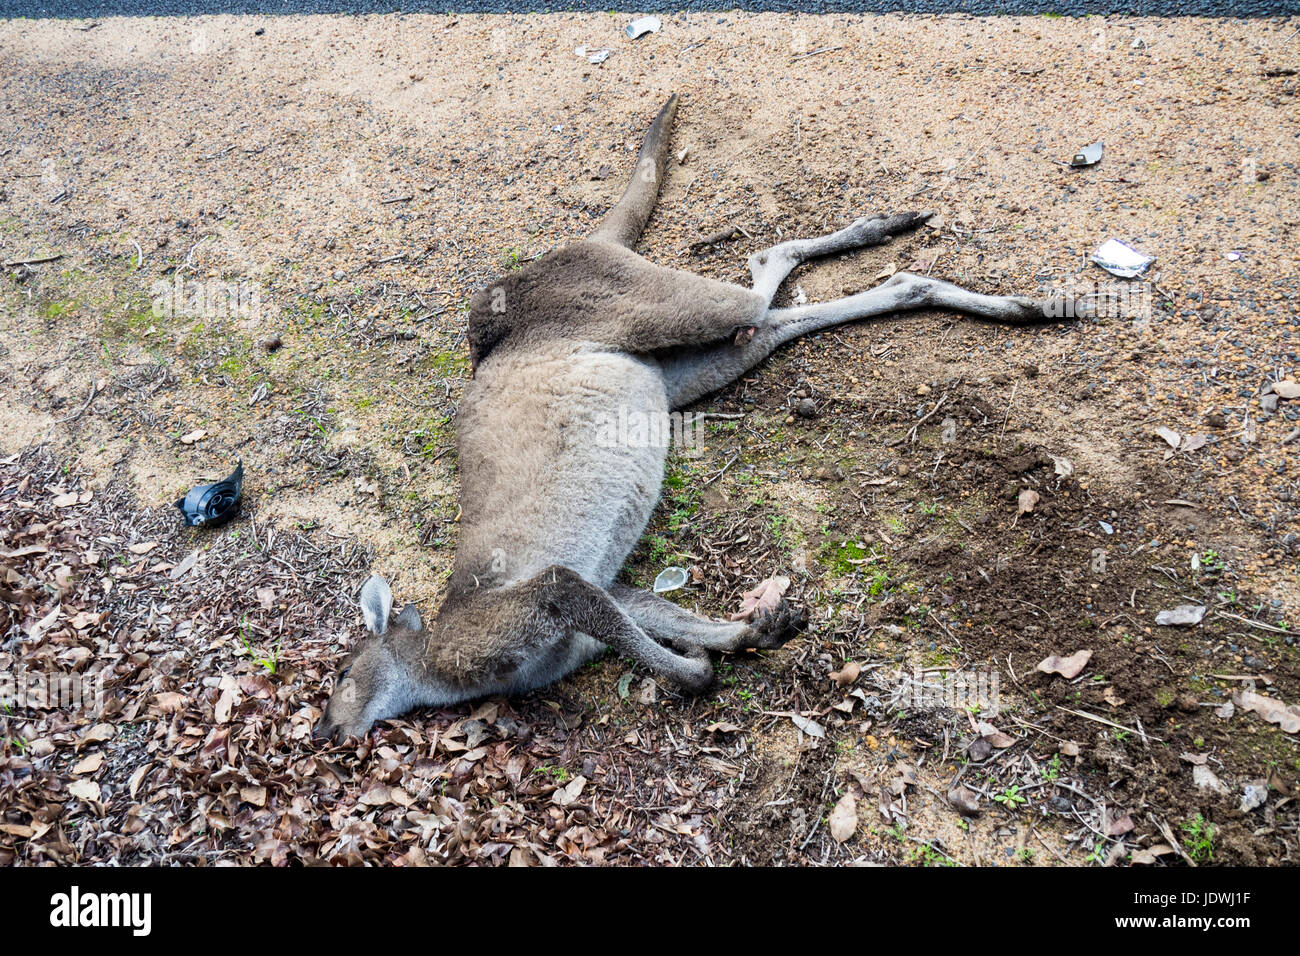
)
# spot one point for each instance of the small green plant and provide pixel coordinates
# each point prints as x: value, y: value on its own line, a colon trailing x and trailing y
x: 1200, y: 838
x: 552, y: 771
x: 512, y: 258
x: 927, y: 855
x: 1052, y: 771
x: 1098, y: 854
x: 270, y: 662
x: 1011, y: 798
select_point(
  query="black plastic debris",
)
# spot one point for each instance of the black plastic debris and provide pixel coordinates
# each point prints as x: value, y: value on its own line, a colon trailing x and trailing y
x: 214, y: 504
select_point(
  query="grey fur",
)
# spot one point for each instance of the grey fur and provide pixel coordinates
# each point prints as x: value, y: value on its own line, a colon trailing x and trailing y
x: 548, y: 514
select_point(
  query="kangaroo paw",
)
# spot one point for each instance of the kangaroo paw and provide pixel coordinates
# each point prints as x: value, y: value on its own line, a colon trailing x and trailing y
x: 879, y: 229
x: 773, y: 628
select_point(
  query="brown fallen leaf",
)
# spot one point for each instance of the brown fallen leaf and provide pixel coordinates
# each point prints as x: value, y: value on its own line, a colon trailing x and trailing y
x: 189, y: 438
x: 144, y: 547
x: 1026, y: 502
x: 169, y: 702
x: 89, y: 764
x: 994, y: 736
x: 1286, y: 389
x: 847, y: 674
x: 1120, y: 826
x: 1271, y: 709
x: 843, y: 820
x: 964, y: 801
x: 1148, y: 857
x: 86, y: 790
x: 1068, y: 667
x: 765, y: 596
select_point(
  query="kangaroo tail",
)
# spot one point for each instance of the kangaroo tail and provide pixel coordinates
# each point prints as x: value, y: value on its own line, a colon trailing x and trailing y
x: 623, y: 224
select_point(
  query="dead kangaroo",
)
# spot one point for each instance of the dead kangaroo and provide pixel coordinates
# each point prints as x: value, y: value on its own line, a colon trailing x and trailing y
x: 548, y: 515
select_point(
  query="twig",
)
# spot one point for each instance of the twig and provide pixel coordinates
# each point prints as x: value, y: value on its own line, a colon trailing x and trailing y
x: 825, y: 49
x: 718, y: 237
x: 34, y: 261
x: 911, y: 432
x: 79, y: 412
x: 1258, y: 624
x: 1109, y: 723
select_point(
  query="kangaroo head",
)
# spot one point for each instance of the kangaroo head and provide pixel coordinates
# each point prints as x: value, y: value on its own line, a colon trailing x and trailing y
x: 378, y: 681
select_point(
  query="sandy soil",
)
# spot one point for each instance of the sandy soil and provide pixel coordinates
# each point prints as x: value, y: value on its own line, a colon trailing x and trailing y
x: 362, y: 177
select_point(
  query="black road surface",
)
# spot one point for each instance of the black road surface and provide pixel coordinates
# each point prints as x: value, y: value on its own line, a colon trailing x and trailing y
x: 89, y: 9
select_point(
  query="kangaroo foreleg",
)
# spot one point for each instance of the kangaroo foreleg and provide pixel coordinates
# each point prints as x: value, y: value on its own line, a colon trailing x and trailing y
x: 666, y: 622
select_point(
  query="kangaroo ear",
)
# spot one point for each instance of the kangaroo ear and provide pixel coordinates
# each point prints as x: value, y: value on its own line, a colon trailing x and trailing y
x: 410, y: 618
x: 376, y: 603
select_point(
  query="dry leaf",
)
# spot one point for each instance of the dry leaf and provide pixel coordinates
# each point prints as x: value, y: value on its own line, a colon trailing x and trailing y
x: 1271, y: 709
x: 809, y: 727
x: 965, y: 801
x: 847, y: 675
x: 1063, y: 467
x: 89, y: 763
x: 1205, y: 778
x: 1028, y: 499
x: 766, y: 596
x: 843, y: 820
x: 189, y: 438
x: 86, y: 790
x: 1068, y: 667
x: 566, y: 795
x: 1171, y: 437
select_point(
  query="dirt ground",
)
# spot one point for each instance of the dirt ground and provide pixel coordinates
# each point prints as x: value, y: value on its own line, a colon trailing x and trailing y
x: 949, y: 498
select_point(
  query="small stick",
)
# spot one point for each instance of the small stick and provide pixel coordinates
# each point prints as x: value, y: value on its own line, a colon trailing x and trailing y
x: 35, y: 261
x: 1109, y: 723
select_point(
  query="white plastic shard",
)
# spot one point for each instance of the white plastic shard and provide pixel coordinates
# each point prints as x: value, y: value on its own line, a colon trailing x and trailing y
x: 670, y: 579
x: 641, y: 26
x: 1121, y: 260
x: 1088, y: 156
